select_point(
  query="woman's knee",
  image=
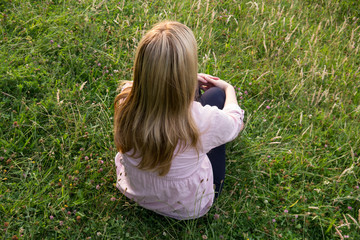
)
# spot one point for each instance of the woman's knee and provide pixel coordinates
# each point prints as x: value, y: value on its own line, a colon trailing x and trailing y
x: 214, y: 97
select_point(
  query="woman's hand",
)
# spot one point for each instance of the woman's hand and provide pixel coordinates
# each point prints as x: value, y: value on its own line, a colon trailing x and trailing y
x: 207, y: 81
x: 204, y: 79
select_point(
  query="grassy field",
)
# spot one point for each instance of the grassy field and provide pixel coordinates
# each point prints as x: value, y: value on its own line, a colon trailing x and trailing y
x: 292, y: 174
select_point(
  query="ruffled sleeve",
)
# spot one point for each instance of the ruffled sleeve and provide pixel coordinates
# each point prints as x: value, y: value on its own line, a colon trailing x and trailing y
x: 218, y: 126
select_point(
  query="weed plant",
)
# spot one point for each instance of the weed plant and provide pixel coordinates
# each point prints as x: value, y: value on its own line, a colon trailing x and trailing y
x: 292, y: 174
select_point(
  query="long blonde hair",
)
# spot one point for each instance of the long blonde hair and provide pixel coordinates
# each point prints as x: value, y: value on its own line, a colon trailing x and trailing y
x: 154, y: 116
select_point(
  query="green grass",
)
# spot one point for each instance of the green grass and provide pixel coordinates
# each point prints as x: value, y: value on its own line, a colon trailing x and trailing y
x: 292, y: 174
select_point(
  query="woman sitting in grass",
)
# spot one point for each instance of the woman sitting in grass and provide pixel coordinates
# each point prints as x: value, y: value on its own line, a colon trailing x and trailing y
x: 172, y: 148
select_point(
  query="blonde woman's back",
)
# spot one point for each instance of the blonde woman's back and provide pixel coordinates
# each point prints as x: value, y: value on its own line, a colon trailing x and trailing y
x: 187, y: 191
x: 157, y: 109
x: 163, y: 135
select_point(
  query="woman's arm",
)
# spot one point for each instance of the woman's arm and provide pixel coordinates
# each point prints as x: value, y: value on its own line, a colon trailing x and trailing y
x: 124, y: 88
x: 125, y: 84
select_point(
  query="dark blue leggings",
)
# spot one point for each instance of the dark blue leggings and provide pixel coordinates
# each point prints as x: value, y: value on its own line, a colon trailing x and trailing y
x: 216, y: 97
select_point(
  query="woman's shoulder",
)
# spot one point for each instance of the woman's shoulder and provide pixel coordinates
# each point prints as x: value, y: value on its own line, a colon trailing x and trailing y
x: 207, y: 110
x: 204, y: 116
x: 217, y: 126
x: 197, y: 108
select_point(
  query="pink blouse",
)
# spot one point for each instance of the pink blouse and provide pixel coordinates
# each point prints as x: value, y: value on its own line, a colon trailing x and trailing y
x: 187, y: 191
